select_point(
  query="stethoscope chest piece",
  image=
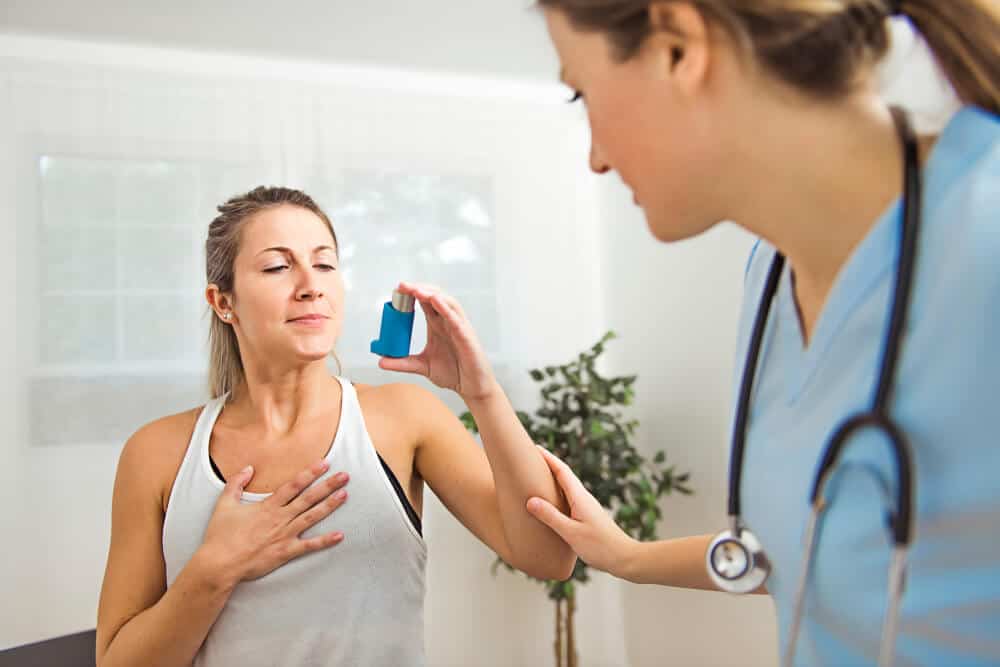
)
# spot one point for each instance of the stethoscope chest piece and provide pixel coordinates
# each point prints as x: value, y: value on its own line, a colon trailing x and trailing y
x: 736, y: 561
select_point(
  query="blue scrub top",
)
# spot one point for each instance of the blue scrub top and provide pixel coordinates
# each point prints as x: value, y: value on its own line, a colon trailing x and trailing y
x: 947, y: 401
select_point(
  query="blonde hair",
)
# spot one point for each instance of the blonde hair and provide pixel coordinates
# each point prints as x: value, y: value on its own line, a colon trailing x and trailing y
x: 820, y: 46
x: 225, y: 370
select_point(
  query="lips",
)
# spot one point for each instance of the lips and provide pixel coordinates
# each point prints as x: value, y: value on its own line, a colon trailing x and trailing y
x: 309, y: 318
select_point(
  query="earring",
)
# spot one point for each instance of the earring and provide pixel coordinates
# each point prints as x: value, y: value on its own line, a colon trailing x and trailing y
x: 227, y: 316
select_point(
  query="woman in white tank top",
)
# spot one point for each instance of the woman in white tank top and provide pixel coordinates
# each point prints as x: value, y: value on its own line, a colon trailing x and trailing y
x: 233, y: 540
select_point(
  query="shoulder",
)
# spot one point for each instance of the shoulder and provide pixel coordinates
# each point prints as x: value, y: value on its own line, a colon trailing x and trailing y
x: 398, y: 399
x: 963, y: 175
x: 961, y: 204
x: 153, y: 454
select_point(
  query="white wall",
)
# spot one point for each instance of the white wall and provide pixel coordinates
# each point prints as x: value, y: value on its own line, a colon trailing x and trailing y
x: 478, y: 37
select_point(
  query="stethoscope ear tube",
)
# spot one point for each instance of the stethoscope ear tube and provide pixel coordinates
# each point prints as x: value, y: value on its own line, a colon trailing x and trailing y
x: 901, y: 524
x: 746, y: 387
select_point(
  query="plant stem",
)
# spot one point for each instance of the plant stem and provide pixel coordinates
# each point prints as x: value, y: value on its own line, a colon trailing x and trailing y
x: 559, y: 640
x: 570, y: 634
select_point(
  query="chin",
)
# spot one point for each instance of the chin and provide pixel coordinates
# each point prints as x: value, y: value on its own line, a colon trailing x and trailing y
x: 673, y: 228
x: 313, y: 351
x: 315, y: 354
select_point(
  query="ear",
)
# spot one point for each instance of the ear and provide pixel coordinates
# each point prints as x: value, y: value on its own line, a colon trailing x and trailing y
x: 679, y: 44
x: 218, y: 301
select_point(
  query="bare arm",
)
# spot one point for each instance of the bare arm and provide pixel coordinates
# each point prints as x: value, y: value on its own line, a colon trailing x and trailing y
x: 679, y: 562
x: 143, y: 622
x: 520, y: 473
x: 140, y: 621
x: 487, y: 488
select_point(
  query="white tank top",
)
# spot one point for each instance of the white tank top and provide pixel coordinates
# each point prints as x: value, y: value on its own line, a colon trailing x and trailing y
x: 357, y: 604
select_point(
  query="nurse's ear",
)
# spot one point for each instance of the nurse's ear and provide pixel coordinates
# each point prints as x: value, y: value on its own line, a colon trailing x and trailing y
x: 678, y: 49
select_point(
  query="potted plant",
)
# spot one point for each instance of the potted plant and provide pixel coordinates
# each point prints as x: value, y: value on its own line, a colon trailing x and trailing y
x: 580, y: 421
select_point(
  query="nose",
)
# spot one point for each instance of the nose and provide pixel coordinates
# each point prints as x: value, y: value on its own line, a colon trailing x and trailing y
x: 597, y: 162
x: 308, y: 294
x: 309, y: 289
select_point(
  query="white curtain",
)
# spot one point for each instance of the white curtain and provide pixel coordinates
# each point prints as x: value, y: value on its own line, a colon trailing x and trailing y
x: 114, y: 159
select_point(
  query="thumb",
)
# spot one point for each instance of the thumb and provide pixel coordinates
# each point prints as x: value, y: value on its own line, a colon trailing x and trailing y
x: 234, y: 487
x: 410, y: 364
x: 547, y: 513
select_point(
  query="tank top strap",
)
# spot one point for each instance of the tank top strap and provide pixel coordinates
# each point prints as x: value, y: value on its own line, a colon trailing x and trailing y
x: 352, y: 436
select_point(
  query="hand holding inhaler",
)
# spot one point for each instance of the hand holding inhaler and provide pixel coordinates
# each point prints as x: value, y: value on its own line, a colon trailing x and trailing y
x: 452, y: 359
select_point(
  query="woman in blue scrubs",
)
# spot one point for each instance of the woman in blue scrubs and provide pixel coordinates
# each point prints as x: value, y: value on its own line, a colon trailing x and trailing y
x: 765, y: 112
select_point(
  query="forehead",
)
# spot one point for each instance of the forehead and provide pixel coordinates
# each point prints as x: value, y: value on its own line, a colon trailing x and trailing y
x: 579, y: 50
x: 289, y: 226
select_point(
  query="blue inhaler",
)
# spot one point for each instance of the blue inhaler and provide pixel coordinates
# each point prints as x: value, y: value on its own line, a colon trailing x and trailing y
x: 397, y: 327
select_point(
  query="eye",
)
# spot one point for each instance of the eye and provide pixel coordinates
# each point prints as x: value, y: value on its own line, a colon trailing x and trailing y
x: 326, y: 267
x: 276, y: 269
x: 577, y: 96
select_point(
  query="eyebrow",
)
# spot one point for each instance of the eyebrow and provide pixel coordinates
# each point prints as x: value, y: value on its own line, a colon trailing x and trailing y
x: 283, y: 249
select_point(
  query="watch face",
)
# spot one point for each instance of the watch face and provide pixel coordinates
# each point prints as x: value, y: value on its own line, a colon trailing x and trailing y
x: 730, y: 559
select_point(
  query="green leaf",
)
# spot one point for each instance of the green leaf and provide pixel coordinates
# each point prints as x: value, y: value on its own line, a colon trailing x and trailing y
x: 469, y: 422
x: 583, y: 418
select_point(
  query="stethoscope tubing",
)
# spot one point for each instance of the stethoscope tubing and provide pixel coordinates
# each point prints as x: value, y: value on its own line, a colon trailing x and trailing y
x: 876, y: 418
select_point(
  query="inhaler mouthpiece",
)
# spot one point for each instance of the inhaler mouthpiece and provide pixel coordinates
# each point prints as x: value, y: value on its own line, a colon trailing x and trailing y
x: 397, y: 327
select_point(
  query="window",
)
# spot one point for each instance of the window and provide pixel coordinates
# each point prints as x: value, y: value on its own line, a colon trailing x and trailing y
x: 120, y: 324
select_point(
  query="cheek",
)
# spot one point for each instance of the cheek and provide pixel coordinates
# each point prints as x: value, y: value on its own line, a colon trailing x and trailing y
x: 335, y: 290
x: 261, y: 298
x: 623, y: 126
x: 335, y: 296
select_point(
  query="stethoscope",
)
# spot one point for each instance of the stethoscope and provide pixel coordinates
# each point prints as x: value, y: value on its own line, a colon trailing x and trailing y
x: 736, y: 560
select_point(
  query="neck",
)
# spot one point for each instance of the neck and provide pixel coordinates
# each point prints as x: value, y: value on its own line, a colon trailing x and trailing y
x: 840, y: 167
x: 276, y: 400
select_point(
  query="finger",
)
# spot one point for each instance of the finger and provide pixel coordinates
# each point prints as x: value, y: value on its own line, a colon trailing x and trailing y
x: 431, y: 311
x: 455, y: 323
x: 452, y: 303
x: 234, y: 487
x: 317, y: 513
x: 308, y: 545
x: 448, y: 312
x: 426, y: 296
x: 427, y: 292
x: 564, y: 475
x: 545, y: 512
x: 316, y: 493
x: 289, y: 490
x: 418, y: 289
x: 412, y: 364
x: 435, y: 318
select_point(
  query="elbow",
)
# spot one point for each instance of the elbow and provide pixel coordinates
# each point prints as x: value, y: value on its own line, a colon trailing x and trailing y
x: 100, y: 651
x: 559, y: 567
x: 568, y: 566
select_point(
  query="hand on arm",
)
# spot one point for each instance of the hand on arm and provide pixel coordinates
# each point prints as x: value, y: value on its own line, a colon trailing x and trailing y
x: 599, y: 542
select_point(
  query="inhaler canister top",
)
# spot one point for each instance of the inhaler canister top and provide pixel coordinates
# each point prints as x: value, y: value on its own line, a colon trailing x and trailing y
x: 402, y: 302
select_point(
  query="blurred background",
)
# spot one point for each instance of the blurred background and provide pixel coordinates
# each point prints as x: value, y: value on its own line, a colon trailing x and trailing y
x: 435, y: 136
